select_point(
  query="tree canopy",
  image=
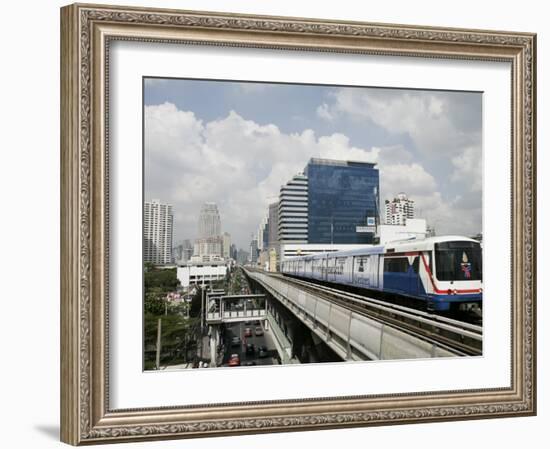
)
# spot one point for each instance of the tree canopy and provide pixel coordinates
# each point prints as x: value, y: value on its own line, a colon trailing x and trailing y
x: 165, y: 279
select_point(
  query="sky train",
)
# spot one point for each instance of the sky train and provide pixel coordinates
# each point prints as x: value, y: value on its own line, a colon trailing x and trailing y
x: 444, y: 272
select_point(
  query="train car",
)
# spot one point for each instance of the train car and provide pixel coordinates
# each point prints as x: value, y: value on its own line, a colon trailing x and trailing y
x: 443, y: 272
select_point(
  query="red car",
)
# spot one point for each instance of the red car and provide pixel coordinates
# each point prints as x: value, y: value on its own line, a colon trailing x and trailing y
x: 248, y: 332
x: 234, y: 360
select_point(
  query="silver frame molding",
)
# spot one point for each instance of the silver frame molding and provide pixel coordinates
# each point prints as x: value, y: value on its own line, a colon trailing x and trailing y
x: 86, y: 31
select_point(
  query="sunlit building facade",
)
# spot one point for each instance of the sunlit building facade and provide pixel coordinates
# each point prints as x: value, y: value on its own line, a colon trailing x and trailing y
x: 158, y: 227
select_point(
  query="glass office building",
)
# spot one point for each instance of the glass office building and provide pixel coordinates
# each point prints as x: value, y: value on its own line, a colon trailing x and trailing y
x: 342, y: 201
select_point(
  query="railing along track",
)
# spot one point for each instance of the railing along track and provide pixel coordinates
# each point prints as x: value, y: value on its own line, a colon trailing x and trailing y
x: 459, y: 337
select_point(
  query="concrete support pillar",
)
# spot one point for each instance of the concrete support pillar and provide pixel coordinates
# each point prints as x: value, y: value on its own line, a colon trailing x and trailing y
x: 214, y: 341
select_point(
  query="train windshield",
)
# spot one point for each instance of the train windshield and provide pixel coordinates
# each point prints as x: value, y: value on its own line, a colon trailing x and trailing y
x: 458, y: 261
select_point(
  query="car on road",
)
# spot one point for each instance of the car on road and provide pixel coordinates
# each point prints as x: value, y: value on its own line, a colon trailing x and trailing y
x: 259, y: 331
x: 250, y: 349
x: 263, y: 352
x: 235, y: 341
x: 234, y: 360
x: 248, y: 332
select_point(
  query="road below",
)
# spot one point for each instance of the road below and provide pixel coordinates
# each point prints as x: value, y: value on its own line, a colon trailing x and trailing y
x: 254, y: 355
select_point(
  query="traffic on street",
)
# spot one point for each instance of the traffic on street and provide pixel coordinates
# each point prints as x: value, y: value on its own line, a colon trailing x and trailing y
x: 249, y: 344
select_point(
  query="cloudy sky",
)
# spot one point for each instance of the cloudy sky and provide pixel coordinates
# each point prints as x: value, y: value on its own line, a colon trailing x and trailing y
x: 236, y: 143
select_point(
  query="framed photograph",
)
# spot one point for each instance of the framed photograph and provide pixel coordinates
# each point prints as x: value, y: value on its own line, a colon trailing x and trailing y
x: 278, y: 224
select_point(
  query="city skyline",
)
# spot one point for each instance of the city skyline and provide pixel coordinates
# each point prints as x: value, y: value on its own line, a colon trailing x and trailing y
x: 236, y: 144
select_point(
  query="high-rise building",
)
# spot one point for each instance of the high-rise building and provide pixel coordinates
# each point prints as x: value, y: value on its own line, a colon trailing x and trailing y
x: 333, y: 202
x: 158, y: 226
x: 399, y: 210
x: 293, y: 210
x: 254, y: 251
x: 342, y: 203
x: 261, y: 233
x: 209, y: 221
x: 210, y: 246
x: 233, y: 251
x: 182, y: 253
x: 210, y: 240
x: 265, y: 235
x: 226, y: 245
x: 242, y: 256
x: 273, y: 225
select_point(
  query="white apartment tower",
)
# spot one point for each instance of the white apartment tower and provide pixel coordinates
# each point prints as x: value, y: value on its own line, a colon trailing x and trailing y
x: 293, y: 200
x: 158, y: 226
x: 399, y: 210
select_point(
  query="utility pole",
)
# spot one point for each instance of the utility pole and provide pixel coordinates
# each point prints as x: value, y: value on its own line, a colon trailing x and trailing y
x: 159, y: 332
x: 202, y: 319
x: 202, y: 306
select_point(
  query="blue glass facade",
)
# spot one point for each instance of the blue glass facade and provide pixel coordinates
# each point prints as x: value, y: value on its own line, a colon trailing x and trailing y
x: 342, y: 195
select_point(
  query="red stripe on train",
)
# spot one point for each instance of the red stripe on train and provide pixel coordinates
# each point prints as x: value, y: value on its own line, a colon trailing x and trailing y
x: 475, y: 290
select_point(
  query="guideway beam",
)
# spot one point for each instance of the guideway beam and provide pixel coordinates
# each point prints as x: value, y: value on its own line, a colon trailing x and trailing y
x: 352, y: 335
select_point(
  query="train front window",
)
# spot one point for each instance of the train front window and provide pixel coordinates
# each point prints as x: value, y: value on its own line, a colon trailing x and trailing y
x: 458, y: 261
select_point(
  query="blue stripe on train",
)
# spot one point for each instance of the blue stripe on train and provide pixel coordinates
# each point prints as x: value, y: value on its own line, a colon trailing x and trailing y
x: 443, y: 302
x: 410, y: 284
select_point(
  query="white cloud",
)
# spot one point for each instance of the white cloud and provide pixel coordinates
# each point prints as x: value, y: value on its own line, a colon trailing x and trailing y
x: 468, y: 168
x: 410, y: 178
x: 324, y: 112
x: 433, y: 120
x: 449, y: 216
x: 445, y: 131
x: 241, y: 165
x: 237, y: 163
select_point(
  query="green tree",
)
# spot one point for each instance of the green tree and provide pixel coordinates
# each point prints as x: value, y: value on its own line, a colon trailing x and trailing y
x: 178, y: 339
x: 166, y: 279
x: 155, y: 301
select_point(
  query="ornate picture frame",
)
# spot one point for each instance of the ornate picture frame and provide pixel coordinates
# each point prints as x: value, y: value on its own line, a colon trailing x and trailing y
x: 86, y: 34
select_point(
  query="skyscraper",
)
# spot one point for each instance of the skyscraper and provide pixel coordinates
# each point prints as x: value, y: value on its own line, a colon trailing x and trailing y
x: 182, y: 253
x: 273, y: 225
x: 210, y: 240
x: 226, y: 247
x: 242, y: 257
x: 342, y: 201
x: 261, y: 233
x: 332, y: 202
x: 209, y: 221
x: 254, y: 250
x: 293, y: 210
x: 399, y: 210
x: 158, y: 226
x: 233, y: 251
